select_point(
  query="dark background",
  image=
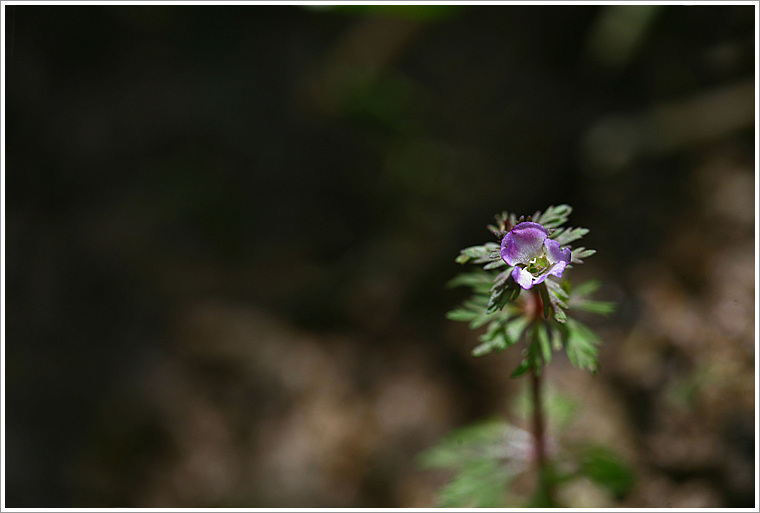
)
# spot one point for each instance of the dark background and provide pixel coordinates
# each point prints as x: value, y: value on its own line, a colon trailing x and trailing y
x: 230, y: 229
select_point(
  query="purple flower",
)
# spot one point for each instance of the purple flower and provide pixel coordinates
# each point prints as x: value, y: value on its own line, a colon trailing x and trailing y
x: 534, y: 255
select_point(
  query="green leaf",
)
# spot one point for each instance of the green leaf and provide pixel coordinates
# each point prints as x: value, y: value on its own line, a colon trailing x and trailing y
x: 567, y: 235
x: 494, y: 265
x: 514, y: 292
x: 484, y: 349
x: 556, y: 290
x: 497, y: 301
x: 581, y: 345
x: 461, y: 314
x: 462, y: 259
x: 544, y: 344
x: 482, y: 253
x: 501, y: 278
x: 488, y: 347
x: 557, y: 298
x: 577, y: 254
x: 605, y: 467
x: 556, y: 338
x: 483, y: 462
x: 515, y: 328
x: 553, y: 217
x: 480, y: 281
x: 479, y: 321
x: 471, y: 279
x: 501, y: 334
x: 532, y: 355
x: 481, y: 484
x: 521, y: 369
x: 579, y: 301
x: 586, y: 288
x: 597, y: 307
x: 464, y: 444
x: 495, y: 329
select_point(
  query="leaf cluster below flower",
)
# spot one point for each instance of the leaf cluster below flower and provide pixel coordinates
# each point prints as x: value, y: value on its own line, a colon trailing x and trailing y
x: 539, y: 315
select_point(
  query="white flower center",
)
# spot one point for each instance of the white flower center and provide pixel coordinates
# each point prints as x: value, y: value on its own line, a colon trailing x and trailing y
x: 539, y: 264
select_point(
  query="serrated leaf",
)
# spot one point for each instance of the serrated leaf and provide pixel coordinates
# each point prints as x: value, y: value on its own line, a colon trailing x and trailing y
x: 521, y: 369
x: 464, y: 444
x: 581, y: 345
x: 484, y: 458
x: 514, y: 292
x: 479, y: 321
x: 494, y: 328
x: 532, y: 354
x: 494, y: 265
x: 478, y: 280
x: 567, y: 235
x: 501, y: 279
x: 493, y: 300
x: 476, y: 251
x: 497, y: 344
x: 471, y: 279
x: 597, y: 307
x: 578, y: 299
x: 557, y: 296
x: 515, y: 328
x: 576, y: 255
x: 586, y: 288
x: 497, y: 301
x: 481, y: 485
x: 480, y: 253
x: 461, y: 314
x: 606, y: 468
x: 554, y: 217
x: 491, y: 247
x: 556, y: 338
x: 556, y: 290
x: 544, y: 344
x: 484, y: 349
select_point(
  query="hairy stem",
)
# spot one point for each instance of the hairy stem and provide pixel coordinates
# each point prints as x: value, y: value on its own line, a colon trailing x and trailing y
x: 538, y: 425
x: 539, y: 435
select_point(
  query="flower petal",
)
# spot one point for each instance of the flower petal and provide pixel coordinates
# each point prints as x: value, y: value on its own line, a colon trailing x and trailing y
x: 523, y: 243
x: 523, y: 277
x: 555, y: 253
x: 558, y: 269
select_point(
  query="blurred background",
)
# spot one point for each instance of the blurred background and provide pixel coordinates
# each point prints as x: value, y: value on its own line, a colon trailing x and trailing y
x: 230, y: 229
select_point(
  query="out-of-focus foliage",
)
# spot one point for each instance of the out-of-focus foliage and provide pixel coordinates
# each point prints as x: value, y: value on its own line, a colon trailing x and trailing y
x: 604, y: 466
x: 489, y: 464
x: 485, y: 458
